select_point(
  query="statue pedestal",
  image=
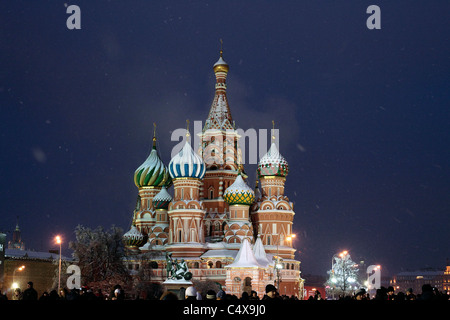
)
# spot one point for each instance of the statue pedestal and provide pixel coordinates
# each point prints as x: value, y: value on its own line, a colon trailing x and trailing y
x: 177, y: 286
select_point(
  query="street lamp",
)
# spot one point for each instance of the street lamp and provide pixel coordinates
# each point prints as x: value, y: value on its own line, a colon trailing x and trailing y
x: 59, y: 241
x: 277, y: 260
x: 277, y: 268
x: 15, y: 285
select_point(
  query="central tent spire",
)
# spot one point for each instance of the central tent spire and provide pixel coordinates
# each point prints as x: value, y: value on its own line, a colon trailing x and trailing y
x: 219, y: 117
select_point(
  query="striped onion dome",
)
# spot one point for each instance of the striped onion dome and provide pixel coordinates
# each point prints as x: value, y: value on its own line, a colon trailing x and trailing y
x: 133, y: 238
x: 187, y: 164
x: 239, y: 193
x: 273, y: 163
x: 162, y: 199
x: 153, y: 172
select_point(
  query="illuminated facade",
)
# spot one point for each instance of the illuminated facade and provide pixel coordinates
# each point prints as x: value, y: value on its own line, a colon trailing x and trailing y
x: 439, y: 279
x: 212, y: 214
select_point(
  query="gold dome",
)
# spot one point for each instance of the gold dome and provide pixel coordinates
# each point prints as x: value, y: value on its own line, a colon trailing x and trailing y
x: 221, y: 65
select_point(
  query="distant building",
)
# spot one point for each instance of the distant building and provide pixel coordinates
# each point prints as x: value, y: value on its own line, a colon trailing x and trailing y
x: 439, y: 279
x: 19, y: 266
x: 16, y: 242
x: 40, y: 268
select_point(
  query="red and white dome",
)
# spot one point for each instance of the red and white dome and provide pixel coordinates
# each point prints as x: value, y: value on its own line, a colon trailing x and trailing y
x: 273, y: 163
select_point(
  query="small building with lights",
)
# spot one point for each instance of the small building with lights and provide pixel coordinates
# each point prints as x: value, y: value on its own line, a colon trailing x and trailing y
x: 22, y: 266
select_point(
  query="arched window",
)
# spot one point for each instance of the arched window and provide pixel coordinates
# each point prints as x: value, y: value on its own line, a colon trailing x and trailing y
x: 219, y: 264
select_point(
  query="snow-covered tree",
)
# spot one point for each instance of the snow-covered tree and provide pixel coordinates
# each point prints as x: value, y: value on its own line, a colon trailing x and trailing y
x: 343, y: 276
x: 99, y: 254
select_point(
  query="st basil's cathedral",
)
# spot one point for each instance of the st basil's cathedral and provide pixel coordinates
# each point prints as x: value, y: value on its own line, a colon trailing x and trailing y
x: 224, y: 230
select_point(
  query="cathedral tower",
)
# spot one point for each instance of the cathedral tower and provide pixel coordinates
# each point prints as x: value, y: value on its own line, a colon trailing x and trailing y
x: 239, y: 197
x: 186, y: 212
x: 160, y: 231
x: 149, y: 177
x: 221, y: 154
x: 274, y: 216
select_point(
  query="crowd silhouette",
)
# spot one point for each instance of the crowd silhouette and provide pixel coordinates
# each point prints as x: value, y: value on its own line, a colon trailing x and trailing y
x: 428, y: 293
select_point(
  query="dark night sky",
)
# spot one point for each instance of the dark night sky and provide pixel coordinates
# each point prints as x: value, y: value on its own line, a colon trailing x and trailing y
x: 363, y: 114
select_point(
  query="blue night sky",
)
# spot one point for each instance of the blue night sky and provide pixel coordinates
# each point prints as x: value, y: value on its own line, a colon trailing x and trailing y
x: 363, y: 114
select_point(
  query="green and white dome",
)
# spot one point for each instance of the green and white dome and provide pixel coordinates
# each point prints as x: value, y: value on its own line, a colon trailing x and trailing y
x: 133, y: 238
x: 162, y: 199
x: 153, y: 172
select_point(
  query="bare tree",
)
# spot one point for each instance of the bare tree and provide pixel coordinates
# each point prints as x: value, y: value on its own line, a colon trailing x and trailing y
x: 143, y: 284
x: 99, y: 254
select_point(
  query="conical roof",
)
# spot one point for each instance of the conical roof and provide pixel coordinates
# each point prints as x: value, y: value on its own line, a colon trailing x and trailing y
x: 245, y: 257
x: 260, y: 253
x: 219, y: 117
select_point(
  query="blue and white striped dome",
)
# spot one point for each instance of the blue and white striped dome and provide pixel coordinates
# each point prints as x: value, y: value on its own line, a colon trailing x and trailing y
x: 187, y: 164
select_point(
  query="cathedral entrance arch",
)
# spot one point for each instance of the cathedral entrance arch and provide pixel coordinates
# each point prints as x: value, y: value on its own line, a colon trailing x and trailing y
x: 247, y: 285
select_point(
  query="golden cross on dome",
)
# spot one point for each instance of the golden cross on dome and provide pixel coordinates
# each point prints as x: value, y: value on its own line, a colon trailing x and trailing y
x: 273, y: 130
x: 154, y: 134
x: 187, y: 128
x: 221, y: 47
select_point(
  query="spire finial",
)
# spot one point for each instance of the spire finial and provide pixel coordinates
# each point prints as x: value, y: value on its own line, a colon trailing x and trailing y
x: 187, y: 128
x: 221, y: 47
x: 273, y: 130
x: 154, y: 134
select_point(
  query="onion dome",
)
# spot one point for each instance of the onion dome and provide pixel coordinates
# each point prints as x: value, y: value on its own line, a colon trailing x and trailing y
x: 221, y: 65
x: 239, y: 193
x: 162, y: 199
x: 133, y: 238
x: 153, y: 172
x: 187, y: 164
x: 273, y: 163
